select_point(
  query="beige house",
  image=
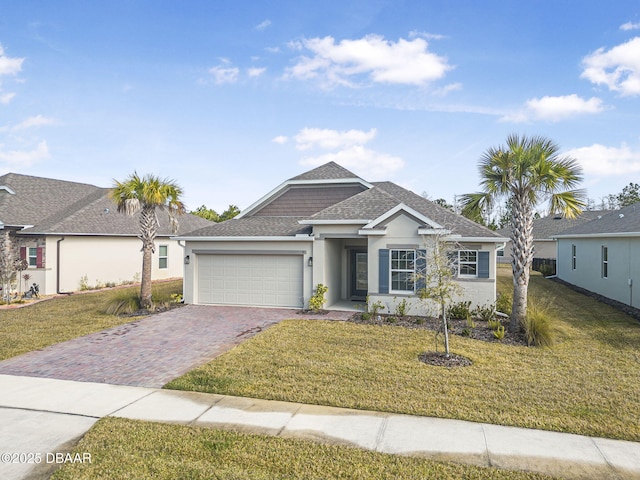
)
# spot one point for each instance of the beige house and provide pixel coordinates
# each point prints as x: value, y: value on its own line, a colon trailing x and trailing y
x: 328, y: 226
x: 70, y: 233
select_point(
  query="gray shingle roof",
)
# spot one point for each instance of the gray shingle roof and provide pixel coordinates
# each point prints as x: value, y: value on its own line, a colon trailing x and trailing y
x: 625, y: 220
x: 546, y: 227
x: 328, y: 171
x: 254, y: 227
x: 57, y: 207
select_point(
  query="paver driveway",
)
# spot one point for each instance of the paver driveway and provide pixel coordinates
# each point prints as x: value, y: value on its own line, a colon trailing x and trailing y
x: 151, y: 351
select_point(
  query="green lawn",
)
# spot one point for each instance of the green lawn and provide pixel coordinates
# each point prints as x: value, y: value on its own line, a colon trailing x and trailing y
x: 127, y: 449
x: 587, y: 383
x: 59, y: 319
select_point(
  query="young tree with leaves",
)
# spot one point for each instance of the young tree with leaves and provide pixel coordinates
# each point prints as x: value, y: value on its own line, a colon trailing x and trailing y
x: 146, y: 195
x: 526, y: 171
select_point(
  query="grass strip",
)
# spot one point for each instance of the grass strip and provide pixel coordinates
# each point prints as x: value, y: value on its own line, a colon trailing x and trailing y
x: 125, y: 449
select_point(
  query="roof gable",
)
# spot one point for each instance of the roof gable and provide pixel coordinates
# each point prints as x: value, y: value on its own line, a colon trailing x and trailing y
x: 328, y: 171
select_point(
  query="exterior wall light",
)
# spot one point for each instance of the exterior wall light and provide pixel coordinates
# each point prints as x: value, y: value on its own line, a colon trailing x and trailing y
x: 187, y: 260
x: 310, y: 262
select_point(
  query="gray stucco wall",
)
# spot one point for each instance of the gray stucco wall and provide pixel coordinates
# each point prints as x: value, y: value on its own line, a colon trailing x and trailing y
x: 623, y: 279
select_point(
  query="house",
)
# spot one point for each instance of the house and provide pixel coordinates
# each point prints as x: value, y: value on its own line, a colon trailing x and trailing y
x: 544, y: 229
x: 71, y: 233
x: 603, y: 255
x: 328, y: 226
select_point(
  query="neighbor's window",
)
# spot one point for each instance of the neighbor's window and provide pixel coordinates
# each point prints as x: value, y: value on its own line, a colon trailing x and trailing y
x: 468, y: 263
x: 605, y: 262
x: 33, y: 257
x: 573, y: 257
x: 403, y: 267
x: 163, y: 256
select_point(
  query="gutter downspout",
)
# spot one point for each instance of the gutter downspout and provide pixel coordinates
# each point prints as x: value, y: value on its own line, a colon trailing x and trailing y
x: 58, y: 249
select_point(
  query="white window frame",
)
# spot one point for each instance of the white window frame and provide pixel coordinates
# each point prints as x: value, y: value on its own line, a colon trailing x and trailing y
x: 34, y: 257
x: 410, y: 271
x: 604, y: 255
x: 467, y: 262
x: 163, y: 257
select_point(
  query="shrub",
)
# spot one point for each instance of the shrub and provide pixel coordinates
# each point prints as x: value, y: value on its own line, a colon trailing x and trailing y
x: 546, y: 269
x: 494, y: 324
x: 373, y: 308
x: 317, y: 299
x: 391, y: 319
x: 123, y: 303
x: 470, y: 323
x: 419, y: 321
x: 537, y: 325
x: 499, y: 332
x: 401, y: 308
x: 459, y: 310
x: 485, y: 313
x: 84, y: 283
x: 503, y: 303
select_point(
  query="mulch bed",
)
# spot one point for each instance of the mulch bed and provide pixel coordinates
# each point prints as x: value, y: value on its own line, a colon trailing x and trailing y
x: 480, y: 331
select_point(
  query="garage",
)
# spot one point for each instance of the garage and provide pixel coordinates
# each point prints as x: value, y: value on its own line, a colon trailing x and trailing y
x: 252, y: 279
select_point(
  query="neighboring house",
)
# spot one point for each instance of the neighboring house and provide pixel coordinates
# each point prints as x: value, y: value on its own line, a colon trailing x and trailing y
x: 68, y: 231
x: 328, y: 226
x: 544, y: 229
x: 603, y: 255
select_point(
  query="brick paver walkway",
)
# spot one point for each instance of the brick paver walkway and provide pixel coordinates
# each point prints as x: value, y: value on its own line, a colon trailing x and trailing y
x: 151, y: 351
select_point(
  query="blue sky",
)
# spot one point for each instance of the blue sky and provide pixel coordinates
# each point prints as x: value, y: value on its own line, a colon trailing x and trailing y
x: 230, y: 98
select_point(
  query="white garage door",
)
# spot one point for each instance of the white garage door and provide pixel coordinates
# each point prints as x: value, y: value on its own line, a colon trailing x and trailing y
x: 263, y: 280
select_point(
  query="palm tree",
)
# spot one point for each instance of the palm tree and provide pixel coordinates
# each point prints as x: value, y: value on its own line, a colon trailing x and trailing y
x: 145, y: 195
x: 526, y: 172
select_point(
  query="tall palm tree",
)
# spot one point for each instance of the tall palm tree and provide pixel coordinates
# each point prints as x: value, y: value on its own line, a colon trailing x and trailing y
x: 146, y: 195
x: 526, y: 172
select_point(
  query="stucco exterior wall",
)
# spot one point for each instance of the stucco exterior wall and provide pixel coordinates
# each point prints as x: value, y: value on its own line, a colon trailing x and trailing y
x: 623, y: 280
x: 402, y: 233
x: 195, y: 248
x: 103, y: 260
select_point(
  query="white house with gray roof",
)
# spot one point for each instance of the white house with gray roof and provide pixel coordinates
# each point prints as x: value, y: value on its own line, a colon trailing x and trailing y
x: 603, y: 255
x: 328, y: 226
x: 67, y: 231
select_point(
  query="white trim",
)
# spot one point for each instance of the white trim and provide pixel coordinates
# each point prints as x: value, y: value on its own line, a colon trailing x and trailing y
x: 433, y: 231
x: 407, y: 209
x: 482, y: 239
x: 7, y: 189
x: 284, y: 185
x: 372, y: 231
x: 334, y: 222
x: 244, y: 239
x: 598, y: 235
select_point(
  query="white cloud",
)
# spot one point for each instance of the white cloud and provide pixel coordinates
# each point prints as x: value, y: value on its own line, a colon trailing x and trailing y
x: 31, y: 122
x: 554, y: 109
x: 607, y: 161
x: 5, y: 98
x: 618, y: 68
x: 452, y: 87
x: 264, y: 24
x: 8, y: 65
x: 256, y: 71
x: 332, y: 139
x: 223, y: 74
x: 630, y: 26
x: 280, y: 139
x: 426, y: 35
x: 403, y: 62
x: 24, y: 158
x: 377, y: 165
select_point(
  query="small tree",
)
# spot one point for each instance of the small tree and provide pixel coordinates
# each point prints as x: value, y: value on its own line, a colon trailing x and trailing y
x: 439, y: 278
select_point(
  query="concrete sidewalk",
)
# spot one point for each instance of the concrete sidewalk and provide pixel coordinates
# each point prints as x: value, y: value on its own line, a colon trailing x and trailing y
x: 41, y: 415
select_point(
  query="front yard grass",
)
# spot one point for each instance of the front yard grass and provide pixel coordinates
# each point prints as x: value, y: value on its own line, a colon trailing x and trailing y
x: 587, y: 383
x: 124, y: 449
x: 59, y: 319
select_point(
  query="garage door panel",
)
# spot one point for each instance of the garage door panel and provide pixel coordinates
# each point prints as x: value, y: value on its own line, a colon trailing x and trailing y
x: 265, y: 280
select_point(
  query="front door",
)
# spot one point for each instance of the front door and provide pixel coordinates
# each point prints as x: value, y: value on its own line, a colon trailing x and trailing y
x: 358, y: 276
